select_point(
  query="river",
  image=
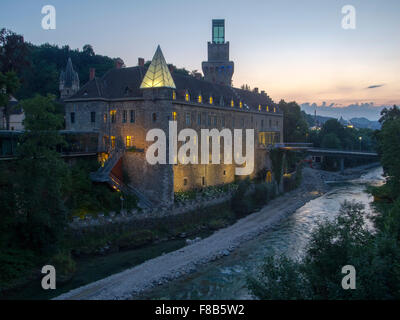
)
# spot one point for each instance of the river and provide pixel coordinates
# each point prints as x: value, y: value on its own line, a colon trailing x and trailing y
x: 226, y: 277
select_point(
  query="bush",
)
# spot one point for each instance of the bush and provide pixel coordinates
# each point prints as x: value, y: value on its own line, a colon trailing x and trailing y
x: 64, y: 264
x: 240, y: 203
x: 14, y: 264
x: 260, y: 195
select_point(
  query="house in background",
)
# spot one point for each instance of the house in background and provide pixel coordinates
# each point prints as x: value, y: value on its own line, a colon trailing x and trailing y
x: 17, y: 116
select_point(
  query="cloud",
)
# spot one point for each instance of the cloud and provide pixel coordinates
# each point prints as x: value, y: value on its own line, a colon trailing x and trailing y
x: 375, y: 86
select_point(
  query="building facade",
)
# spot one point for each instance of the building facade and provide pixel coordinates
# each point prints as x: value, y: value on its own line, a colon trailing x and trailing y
x: 126, y: 103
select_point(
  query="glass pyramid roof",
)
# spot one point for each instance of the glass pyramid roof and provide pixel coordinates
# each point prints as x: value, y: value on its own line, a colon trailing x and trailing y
x: 158, y: 75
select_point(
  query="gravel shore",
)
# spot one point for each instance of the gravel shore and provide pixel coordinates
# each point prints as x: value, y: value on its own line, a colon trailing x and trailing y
x: 157, y: 271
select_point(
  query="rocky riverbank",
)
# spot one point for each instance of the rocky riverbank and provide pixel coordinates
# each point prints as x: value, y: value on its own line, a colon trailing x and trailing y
x: 131, y: 282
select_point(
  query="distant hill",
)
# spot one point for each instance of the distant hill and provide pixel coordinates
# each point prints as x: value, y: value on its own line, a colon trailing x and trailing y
x: 365, y: 110
x: 46, y: 62
x: 365, y: 123
x: 359, y: 123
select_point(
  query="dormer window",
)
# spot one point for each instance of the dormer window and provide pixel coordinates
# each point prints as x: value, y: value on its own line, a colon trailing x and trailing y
x: 274, y: 109
x: 187, y: 97
x: 232, y: 103
x: 211, y: 100
x: 199, y: 99
x: 259, y: 107
x: 267, y: 108
x: 241, y: 104
x: 173, y: 95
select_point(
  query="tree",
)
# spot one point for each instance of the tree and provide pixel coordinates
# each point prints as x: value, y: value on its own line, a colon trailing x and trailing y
x: 333, y: 245
x: 330, y: 141
x: 39, y: 177
x: 9, y: 84
x: 389, y: 147
x: 295, y: 126
x: 13, y: 51
x: 88, y: 49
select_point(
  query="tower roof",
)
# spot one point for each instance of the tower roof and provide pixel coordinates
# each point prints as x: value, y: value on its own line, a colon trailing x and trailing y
x: 69, y: 76
x: 158, y: 75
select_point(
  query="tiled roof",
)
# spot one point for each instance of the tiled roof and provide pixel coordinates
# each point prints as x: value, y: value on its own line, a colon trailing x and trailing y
x: 125, y: 83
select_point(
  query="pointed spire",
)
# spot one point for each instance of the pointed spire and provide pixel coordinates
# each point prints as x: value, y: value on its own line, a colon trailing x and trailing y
x: 158, y: 75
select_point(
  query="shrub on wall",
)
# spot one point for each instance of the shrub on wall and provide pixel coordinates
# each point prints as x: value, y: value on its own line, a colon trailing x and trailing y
x: 277, y: 163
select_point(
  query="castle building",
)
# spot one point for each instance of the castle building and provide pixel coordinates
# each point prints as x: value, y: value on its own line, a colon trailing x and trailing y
x: 218, y: 68
x: 125, y: 103
x: 69, y: 81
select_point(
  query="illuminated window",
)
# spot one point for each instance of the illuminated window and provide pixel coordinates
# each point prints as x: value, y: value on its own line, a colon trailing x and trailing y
x: 211, y: 100
x: 187, y: 97
x: 268, y: 178
x: 129, y: 141
x: 267, y: 108
x: 105, y: 118
x: 199, y: 99
x: 173, y: 95
x: 232, y: 103
x: 174, y: 116
x: 113, y: 142
x: 113, y: 114
x: 274, y: 109
x: 241, y: 104
x: 259, y: 107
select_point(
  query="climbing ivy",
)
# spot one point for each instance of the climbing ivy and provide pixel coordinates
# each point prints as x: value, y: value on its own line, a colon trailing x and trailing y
x: 277, y: 162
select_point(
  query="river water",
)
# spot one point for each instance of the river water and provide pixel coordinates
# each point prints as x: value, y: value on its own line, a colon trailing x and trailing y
x: 226, y: 278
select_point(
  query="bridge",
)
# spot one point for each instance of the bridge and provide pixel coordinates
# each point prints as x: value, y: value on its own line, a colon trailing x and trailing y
x: 341, y: 154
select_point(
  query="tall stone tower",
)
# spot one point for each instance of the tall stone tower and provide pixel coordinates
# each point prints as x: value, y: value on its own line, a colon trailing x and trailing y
x: 69, y: 81
x: 218, y: 68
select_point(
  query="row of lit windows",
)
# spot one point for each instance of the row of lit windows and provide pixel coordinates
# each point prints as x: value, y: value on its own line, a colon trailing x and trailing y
x: 128, y: 141
x: 210, y: 101
x: 213, y: 120
x: 113, y: 116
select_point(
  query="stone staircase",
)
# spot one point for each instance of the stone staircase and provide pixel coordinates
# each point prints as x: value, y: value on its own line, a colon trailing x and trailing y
x: 143, y: 202
x: 102, y: 174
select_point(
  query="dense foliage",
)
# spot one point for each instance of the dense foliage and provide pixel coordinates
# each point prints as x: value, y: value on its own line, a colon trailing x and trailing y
x: 347, y: 241
x: 295, y: 126
x: 39, y: 67
x: 39, y: 193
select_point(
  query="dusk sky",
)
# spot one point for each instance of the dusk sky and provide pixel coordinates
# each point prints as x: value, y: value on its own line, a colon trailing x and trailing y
x: 295, y: 50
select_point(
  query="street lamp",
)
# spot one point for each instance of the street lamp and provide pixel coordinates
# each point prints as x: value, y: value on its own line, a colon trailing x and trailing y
x: 360, y: 138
